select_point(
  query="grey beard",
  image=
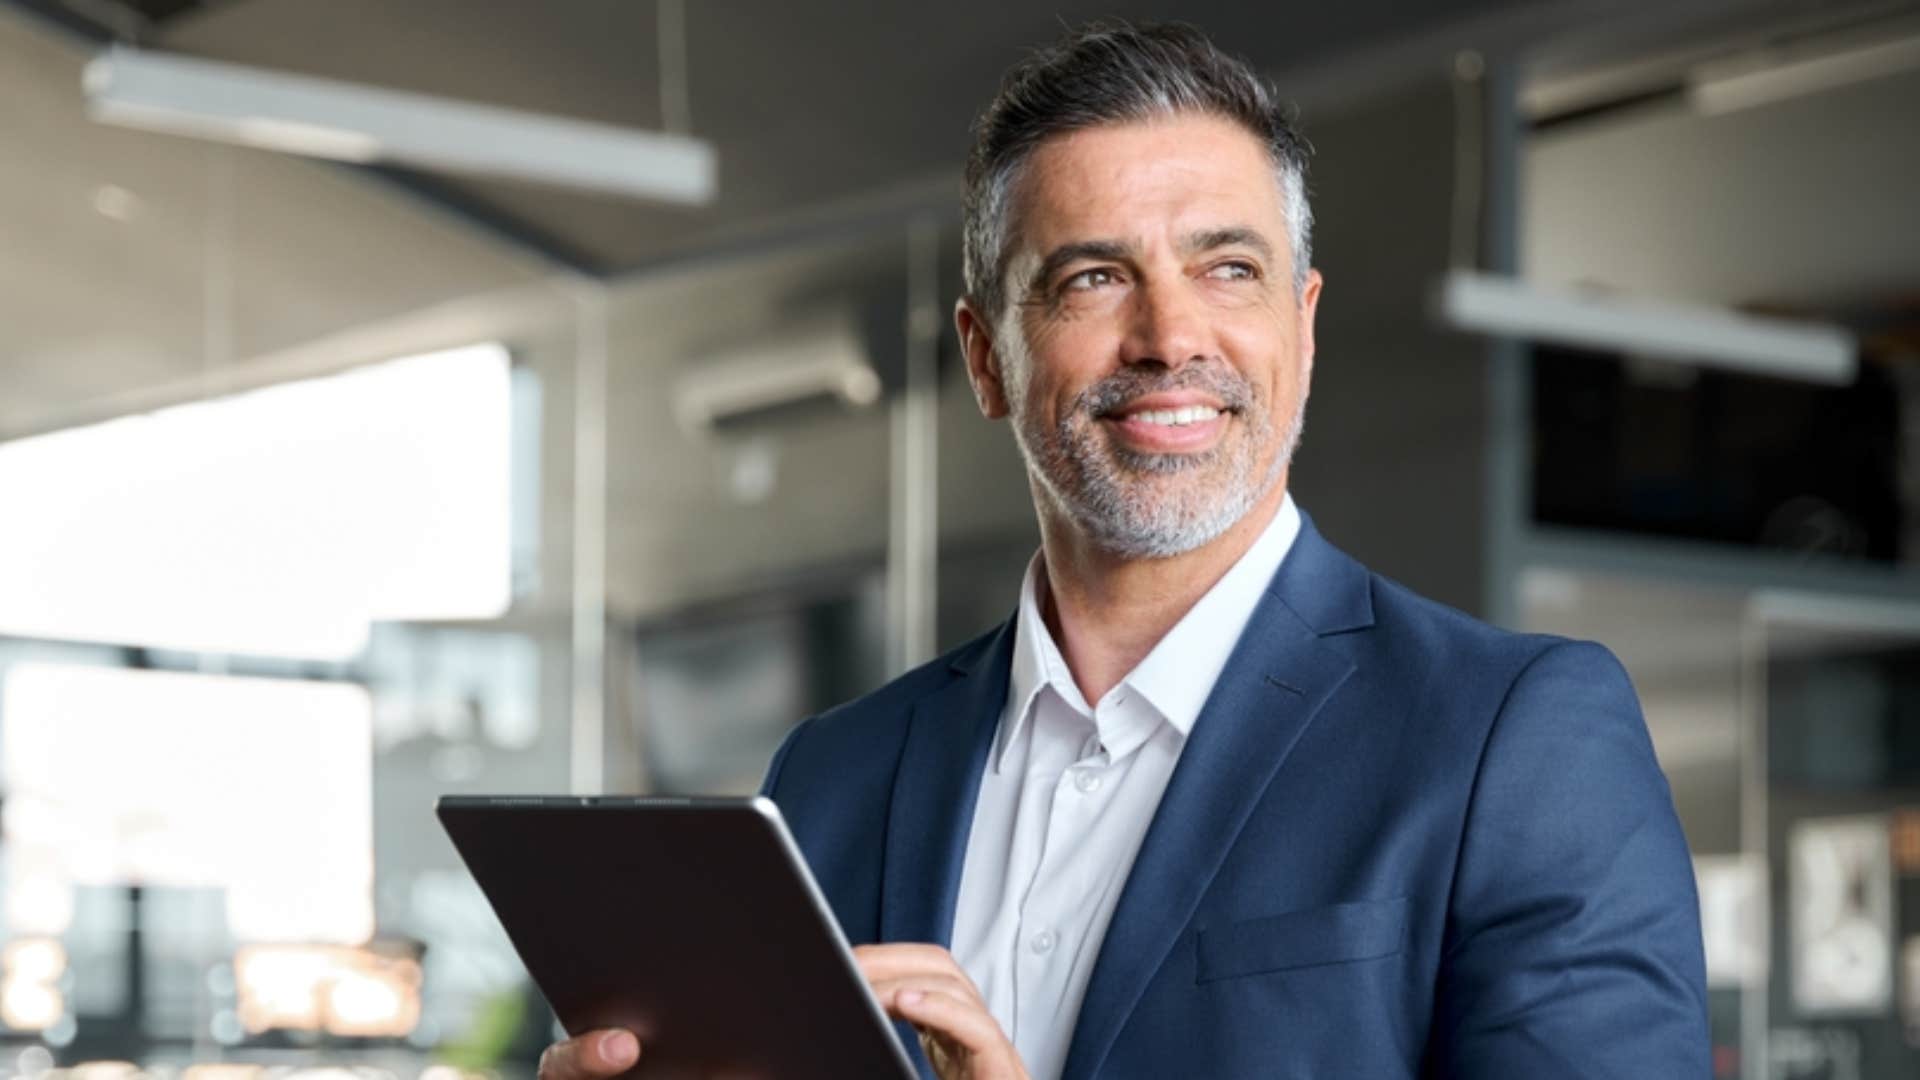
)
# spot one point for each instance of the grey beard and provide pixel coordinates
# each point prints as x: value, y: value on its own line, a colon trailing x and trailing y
x: 1097, y: 484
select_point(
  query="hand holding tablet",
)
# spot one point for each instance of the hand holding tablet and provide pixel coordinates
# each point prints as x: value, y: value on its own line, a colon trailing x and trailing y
x: 692, y: 924
x: 596, y: 1055
x: 922, y: 984
x: 925, y: 986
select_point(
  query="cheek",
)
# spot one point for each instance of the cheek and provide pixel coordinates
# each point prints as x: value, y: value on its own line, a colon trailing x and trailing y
x: 1267, y: 350
x: 1062, y: 363
x: 1032, y: 391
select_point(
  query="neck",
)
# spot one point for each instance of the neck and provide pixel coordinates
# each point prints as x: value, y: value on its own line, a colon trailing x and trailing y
x: 1108, y: 612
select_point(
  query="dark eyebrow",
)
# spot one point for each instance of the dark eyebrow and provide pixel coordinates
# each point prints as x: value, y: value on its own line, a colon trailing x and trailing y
x: 1060, y: 257
x: 1230, y: 236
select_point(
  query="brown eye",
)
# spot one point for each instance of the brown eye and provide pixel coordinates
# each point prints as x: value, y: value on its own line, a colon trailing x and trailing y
x: 1090, y: 279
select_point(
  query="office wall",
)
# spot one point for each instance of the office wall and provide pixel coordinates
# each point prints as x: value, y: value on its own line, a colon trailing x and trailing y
x: 1392, y: 466
x: 1808, y: 200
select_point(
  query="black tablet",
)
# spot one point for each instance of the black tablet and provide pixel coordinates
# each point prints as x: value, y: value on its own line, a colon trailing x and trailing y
x: 691, y: 922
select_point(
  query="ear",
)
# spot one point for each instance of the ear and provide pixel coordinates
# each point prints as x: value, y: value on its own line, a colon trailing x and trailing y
x: 983, y: 364
x: 1309, y: 305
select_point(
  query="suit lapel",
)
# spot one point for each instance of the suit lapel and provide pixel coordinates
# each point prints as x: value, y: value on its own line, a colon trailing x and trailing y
x: 934, y: 791
x: 1280, y: 674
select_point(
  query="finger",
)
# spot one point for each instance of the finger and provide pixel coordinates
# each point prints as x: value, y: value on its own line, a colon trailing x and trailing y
x: 896, y: 960
x: 887, y: 989
x: 903, y: 956
x: 959, y: 1020
x: 590, y: 1056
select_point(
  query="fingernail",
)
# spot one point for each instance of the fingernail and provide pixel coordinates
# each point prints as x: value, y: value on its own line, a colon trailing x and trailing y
x: 619, y: 1048
x: 910, y: 997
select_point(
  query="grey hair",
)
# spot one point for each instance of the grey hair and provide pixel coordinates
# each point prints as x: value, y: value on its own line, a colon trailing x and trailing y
x: 1115, y: 73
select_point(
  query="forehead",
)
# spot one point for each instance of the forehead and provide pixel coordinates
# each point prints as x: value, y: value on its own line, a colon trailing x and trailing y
x: 1134, y: 180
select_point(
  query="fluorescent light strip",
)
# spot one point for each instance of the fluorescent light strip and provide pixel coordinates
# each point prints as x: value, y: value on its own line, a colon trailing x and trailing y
x: 345, y: 121
x: 1704, y: 336
x: 1719, y: 89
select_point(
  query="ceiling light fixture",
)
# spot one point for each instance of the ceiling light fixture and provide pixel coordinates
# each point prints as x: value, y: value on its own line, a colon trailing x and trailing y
x: 349, y: 122
x: 1699, y: 335
x: 1750, y: 82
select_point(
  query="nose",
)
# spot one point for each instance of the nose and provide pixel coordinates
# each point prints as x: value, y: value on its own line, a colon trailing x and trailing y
x: 1168, y: 325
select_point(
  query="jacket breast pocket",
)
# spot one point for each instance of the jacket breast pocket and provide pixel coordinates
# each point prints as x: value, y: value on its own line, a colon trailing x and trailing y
x: 1363, y: 930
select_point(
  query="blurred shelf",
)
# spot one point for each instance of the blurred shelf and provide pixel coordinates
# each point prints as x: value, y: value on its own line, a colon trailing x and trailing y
x: 1713, y: 564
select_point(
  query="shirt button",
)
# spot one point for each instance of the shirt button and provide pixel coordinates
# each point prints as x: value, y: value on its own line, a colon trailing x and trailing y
x: 1087, y: 781
x: 1043, y: 942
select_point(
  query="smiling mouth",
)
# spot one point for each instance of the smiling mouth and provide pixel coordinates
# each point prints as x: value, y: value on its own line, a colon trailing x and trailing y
x: 1180, y: 417
x: 1167, y: 429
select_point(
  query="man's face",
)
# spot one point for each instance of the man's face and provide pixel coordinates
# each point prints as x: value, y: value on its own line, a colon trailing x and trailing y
x: 1153, y: 353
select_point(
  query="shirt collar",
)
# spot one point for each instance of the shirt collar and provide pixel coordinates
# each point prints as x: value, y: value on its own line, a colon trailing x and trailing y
x: 1177, y: 676
x: 1037, y: 664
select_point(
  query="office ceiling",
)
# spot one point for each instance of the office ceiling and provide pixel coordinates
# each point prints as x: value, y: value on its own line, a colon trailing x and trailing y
x: 821, y: 112
x: 139, y: 269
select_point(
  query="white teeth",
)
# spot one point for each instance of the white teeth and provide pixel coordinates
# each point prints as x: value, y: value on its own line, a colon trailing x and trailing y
x: 1186, y: 414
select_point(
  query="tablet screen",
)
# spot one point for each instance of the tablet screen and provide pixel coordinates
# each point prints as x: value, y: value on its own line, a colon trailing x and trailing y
x: 691, y: 922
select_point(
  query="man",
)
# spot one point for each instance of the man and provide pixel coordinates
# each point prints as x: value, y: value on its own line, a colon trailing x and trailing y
x: 1219, y: 802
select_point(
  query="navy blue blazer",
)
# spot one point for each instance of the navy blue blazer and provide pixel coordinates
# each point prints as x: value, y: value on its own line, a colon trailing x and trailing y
x: 1399, y: 842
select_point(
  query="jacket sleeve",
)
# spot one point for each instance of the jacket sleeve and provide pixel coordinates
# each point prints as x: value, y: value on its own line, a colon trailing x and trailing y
x: 1573, y: 936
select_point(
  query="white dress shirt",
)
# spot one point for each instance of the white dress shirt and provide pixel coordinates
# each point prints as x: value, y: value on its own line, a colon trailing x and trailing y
x: 1067, y: 797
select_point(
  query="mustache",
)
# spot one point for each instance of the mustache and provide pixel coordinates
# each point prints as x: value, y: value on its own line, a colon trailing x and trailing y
x: 1217, y: 380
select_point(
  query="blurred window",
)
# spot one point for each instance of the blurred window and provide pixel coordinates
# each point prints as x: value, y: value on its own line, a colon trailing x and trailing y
x: 279, y: 522
x: 262, y: 787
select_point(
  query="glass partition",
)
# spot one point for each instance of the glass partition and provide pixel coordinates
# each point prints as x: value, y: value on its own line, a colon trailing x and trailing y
x: 285, y: 476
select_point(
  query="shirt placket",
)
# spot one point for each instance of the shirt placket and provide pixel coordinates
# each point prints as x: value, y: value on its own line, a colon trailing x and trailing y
x: 1043, y: 946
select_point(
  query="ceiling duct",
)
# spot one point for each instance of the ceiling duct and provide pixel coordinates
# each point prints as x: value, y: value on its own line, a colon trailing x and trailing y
x: 819, y: 367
